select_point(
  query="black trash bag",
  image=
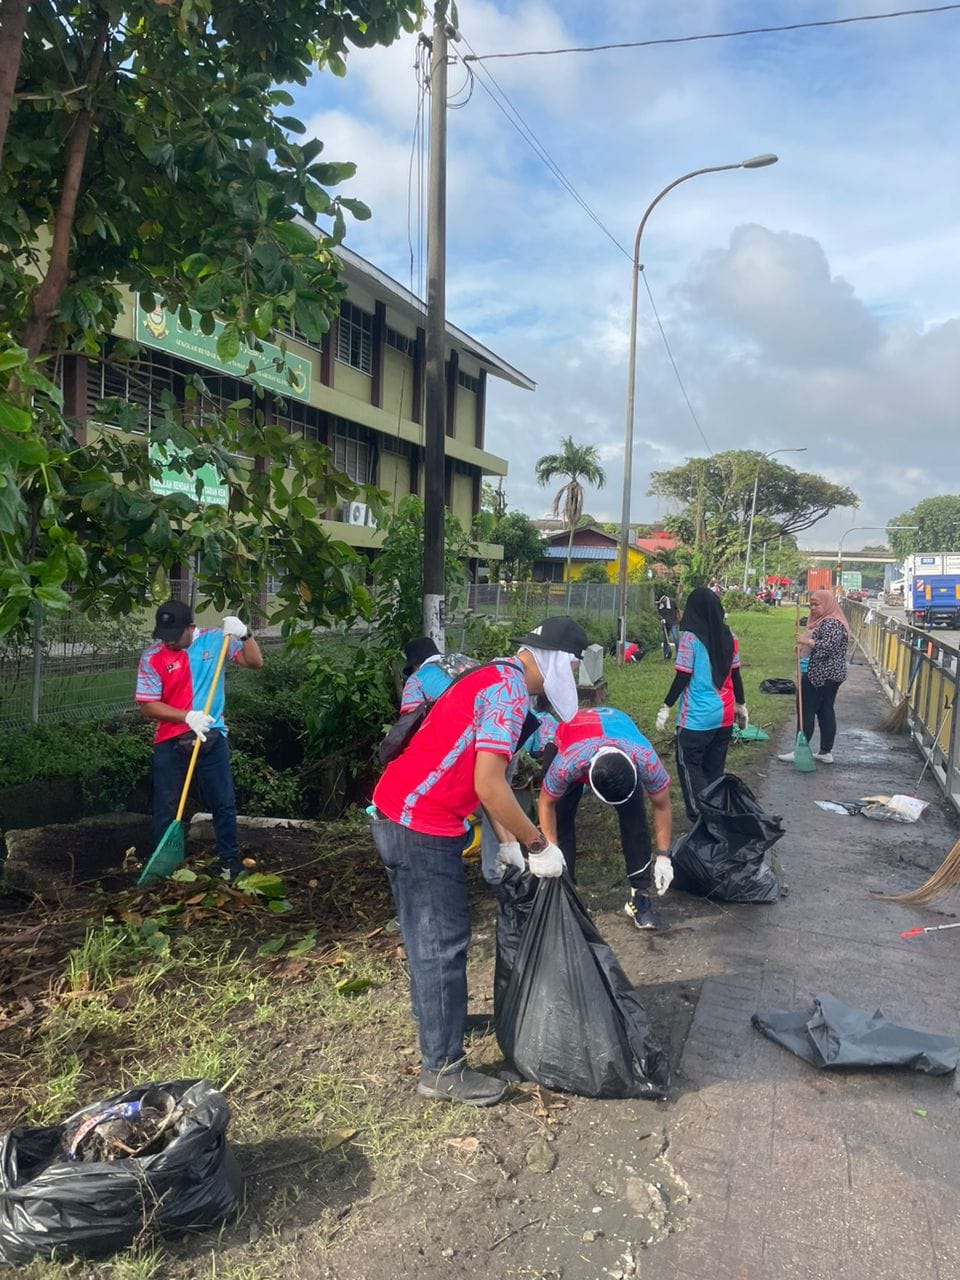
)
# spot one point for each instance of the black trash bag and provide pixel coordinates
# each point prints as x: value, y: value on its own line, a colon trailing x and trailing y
x: 51, y: 1205
x: 777, y: 685
x: 566, y: 1015
x: 724, y: 856
x: 834, y: 1034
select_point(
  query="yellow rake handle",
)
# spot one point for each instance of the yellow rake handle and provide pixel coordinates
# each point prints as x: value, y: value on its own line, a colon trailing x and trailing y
x: 206, y: 711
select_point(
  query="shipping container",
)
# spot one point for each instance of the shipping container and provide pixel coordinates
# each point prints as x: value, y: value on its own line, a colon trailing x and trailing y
x: 819, y: 579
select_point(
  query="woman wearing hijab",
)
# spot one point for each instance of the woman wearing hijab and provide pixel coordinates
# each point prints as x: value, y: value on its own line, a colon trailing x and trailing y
x: 824, y: 645
x: 708, y: 687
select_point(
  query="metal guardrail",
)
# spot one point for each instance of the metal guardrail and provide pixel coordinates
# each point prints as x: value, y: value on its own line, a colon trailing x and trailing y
x: 915, y: 664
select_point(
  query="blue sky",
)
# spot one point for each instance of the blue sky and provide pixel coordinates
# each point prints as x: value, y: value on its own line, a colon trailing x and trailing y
x: 813, y: 303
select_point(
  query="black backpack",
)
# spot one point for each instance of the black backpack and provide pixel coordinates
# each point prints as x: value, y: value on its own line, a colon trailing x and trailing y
x: 398, y: 736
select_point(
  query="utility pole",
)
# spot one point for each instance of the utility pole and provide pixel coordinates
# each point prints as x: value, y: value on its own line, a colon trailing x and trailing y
x: 435, y: 381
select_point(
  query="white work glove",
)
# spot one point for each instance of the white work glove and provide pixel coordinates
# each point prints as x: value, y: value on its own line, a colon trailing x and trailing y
x: 662, y: 873
x: 547, y: 864
x: 663, y: 715
x: 509, y: 855
x: 234, y: 627
x: 741, y: 715
x: 200, y: 723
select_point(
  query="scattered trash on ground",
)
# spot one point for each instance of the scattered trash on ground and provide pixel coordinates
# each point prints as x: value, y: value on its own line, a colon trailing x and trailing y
x: 777, y: 685
x: 567, y: 1016
x: 834, y: 1034
x: 153, y: 1159
x: 890, y: 808
x: 724, y: 856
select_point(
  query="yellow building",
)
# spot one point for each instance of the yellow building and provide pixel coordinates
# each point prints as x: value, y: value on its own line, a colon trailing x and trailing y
x: 360, y: 392
x: 590, y: 546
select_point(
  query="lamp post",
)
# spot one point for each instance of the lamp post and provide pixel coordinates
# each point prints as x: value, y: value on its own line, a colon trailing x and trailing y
x: 866, y: 528
x: 753, y: 508
x: 755, y: 162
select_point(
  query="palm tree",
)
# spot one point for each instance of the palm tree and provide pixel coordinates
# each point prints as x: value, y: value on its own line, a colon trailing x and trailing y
x: 578, y: 463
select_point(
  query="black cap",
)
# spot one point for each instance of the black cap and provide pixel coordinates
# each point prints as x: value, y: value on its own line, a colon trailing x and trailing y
x: 562, y: 634
x: 417, y: 652
x: 173, y: 618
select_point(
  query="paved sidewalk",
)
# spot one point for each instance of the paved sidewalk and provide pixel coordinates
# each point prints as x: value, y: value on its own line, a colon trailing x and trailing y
x: 802, y: 1173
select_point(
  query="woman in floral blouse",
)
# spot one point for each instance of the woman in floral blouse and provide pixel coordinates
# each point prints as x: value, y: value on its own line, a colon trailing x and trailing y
x: 824, y: 644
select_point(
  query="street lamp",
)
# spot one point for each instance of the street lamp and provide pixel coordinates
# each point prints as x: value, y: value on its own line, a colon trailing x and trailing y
x: 753, y: 509
x: 755, y: 162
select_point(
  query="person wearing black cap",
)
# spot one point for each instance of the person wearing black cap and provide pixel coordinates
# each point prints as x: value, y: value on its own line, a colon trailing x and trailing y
x: 602, y: 747
x: 173, y: 684
x: 456, y: 760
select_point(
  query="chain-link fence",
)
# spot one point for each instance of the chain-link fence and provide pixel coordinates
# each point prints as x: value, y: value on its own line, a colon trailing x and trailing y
x: 502, y: 602
x: 921, y: 666
x: 70, y: 668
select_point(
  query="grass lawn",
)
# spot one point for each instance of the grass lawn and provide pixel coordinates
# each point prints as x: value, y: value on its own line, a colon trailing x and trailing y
x: 301, y: 1016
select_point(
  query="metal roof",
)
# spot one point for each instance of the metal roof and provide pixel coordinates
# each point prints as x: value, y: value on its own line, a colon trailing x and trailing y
x: 581, y: 553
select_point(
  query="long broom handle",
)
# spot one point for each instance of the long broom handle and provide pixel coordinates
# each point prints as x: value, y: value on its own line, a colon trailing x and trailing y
x: 206, y: 711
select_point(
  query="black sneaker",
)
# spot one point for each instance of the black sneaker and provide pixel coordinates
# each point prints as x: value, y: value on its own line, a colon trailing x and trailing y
x: 456, y: 1082
x: 640, y: 910
x: 231, y: 871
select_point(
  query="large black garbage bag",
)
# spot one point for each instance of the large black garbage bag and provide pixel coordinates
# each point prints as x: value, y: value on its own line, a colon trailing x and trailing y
x: 724, y: 856
x: 775, y: 684
x: 566, y: 1015
x: 49, y: 1205
x: 834, y: 1034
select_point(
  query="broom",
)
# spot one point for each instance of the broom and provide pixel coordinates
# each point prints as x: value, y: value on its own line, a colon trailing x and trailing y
x: 172, y: 850
x: 946, y: 876
x: 803, y: 760
x: 896, y: 720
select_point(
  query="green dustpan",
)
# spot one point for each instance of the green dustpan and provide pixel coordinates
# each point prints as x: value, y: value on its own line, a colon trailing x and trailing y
x: 172, y: 849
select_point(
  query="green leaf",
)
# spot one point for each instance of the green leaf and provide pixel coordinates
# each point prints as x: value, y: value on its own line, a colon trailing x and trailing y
x: 12, y: 358
x: 184, y: 875
x: 353, y: 986
x: 272, y: 946
x: 279, y: 905
x: 296, y: 238
x: 359, y: 210
x: 264, y: 883
x: 14, y: 418
x: 306, y: 943
x: 228, y: 343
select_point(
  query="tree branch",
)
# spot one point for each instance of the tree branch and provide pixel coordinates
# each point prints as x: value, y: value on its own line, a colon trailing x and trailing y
x: 47, y: 298
x: 13, y: 25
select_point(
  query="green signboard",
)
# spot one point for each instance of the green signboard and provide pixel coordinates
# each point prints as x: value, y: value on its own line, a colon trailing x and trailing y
x: 851, y: 580
x: 162, y: 329
x: 214, y: 488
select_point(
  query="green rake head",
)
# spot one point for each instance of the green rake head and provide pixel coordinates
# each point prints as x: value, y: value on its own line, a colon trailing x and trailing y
x: 168, y: 855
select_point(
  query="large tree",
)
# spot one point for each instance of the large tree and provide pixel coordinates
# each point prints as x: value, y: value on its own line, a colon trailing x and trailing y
x: 146, y: 153
x: 939, y: 519
x: 715, y: 497
x: 522, y: 544
x: 578, y: 463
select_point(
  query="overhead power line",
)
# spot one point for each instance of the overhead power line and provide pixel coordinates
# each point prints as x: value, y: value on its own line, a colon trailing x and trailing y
x: 716, y: 35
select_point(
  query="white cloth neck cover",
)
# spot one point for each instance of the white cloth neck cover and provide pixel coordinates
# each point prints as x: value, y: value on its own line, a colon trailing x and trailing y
x: 558, y: 682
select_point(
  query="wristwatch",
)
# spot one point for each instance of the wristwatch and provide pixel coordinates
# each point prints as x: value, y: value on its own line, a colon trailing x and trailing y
x: 538, y: 845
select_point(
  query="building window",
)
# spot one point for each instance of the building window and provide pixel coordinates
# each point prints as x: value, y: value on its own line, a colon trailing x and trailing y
x: 355, y: 338
x: 400, y: 342
x: 351, y: 451
x: 138, y: 382
x: 296, y: 418
x: 463, y: 468
x: 468, y: 381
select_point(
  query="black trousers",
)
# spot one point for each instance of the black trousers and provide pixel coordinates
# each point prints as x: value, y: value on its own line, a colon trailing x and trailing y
x: 818, y: 703
x: 701, y: 759
x: 634, y: 835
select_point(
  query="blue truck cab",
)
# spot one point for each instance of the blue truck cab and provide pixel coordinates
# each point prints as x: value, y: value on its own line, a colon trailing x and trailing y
x: 932, y: 589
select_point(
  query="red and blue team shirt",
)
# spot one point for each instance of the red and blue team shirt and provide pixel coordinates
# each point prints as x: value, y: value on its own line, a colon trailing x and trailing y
x: 425, y: 685
x: 579, y: 740
x: 429, y: 787
x: 702, y: 706
x: 182, y: 677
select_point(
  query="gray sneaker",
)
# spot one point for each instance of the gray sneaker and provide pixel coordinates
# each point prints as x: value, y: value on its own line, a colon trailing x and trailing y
x: 456, y: 1082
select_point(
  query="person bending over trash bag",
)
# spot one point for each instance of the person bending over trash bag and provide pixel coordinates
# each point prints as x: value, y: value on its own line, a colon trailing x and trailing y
x: 710, y: 691
x: 457, y: 759
x: 603, y: 747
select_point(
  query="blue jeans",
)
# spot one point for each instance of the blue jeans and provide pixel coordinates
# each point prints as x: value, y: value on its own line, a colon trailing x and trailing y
x: 170, y: 762
x: 430, y: 892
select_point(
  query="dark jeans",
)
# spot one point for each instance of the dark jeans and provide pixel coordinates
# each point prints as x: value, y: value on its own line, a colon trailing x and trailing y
x: 701, y: 759
x: 170, y: 763
x: 634, y: 835
x: 818, y: 707
x: 430, y: 892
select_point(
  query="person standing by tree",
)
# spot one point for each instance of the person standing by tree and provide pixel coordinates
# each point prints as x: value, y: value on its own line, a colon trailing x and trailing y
x: 670, y: 621
x: 710, y: 693
x: 173, y: 684
x: 824, y: 644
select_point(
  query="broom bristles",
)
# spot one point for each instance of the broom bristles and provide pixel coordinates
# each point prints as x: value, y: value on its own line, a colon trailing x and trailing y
x: 946, y: 877
x: 896, y: 720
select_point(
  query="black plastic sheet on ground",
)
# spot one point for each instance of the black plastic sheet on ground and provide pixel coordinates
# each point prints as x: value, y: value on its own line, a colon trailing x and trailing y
x: 567, y: 1016
x: 725, y: 855
x: 834, y: 1034
x: 52, y: 1206
x: 776, y: 684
